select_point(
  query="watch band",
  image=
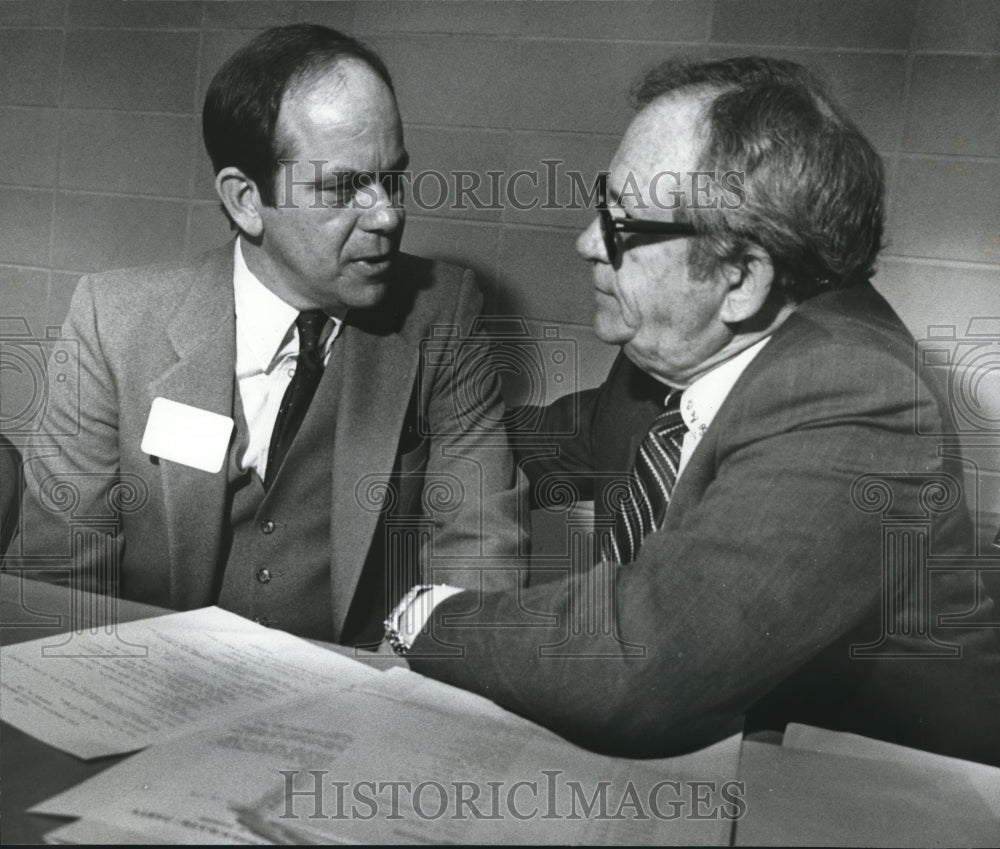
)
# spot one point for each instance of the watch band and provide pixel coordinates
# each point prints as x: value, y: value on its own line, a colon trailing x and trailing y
x: 392, y: 622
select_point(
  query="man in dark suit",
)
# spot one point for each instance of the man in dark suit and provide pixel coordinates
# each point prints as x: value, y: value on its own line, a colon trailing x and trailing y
x: 768, y: 555
x: 261, y: 429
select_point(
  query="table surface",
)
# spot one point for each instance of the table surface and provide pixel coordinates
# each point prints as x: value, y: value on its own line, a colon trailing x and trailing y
x: 793, y: 796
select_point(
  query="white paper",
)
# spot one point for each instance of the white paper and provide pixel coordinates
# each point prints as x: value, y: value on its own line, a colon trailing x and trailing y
x: 798, y: 797
x: 393, y: 727
x: 984, y: 778
x: 534, y: 802
x: 91, y: 832
x: 177, y: 674
x: 185, y: 790
x: 160, y: 768
x: 401, y: 685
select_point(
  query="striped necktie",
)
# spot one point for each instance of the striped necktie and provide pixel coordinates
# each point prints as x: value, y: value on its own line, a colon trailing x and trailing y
x: 650, y: 484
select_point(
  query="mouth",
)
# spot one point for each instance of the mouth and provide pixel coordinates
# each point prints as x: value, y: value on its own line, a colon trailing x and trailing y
x: 377, y: 263
x: 604, y: 284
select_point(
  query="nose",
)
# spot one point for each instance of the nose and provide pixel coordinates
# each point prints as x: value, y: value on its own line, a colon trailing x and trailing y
x: 381, y: 213
x: 590, y: 243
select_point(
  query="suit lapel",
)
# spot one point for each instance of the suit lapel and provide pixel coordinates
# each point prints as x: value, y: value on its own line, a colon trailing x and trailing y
x: 203, y: 333
x: 378, y: 376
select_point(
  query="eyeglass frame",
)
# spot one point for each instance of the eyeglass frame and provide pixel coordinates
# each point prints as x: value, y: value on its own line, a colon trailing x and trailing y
x: 612, y: 226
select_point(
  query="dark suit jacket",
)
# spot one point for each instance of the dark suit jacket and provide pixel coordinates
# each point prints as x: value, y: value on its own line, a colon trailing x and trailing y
x: 796, y: 533
x: 170, y: 331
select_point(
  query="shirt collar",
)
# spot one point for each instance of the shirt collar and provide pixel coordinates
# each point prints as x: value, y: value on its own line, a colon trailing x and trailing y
x: 264, y: 322
x: 703, y: 398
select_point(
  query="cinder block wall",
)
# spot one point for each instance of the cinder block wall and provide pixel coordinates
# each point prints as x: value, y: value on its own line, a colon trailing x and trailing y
x: 101, y: 162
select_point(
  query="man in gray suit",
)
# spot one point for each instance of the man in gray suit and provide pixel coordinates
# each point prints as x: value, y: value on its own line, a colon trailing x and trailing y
x: 768, y: 551
x: 261, y: 429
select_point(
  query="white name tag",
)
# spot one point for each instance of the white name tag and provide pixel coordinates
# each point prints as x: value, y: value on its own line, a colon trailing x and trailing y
x: 186, y: 434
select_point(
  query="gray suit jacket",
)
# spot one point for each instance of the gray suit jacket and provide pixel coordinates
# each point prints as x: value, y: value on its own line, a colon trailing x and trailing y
x: 402, y: 420
x: 790, y: 581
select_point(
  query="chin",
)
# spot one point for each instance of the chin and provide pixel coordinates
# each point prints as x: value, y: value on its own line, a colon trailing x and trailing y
x: 611, y: 331
x: 358, y: 295
x: 369, y: 294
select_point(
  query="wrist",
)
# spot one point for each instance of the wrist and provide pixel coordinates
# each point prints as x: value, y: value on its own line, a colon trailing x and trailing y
x: 409, y: 618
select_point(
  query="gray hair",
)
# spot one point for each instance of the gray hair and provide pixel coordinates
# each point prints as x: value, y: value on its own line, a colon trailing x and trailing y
x: 813, y: 183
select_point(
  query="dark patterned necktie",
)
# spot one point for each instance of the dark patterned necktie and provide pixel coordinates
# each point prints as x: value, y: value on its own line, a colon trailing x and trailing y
x: 295, y: 402
x: 650, y: 484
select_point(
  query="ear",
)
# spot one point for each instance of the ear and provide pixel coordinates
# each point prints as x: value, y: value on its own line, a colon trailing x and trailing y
x: 241, y: 199
x: 749, y: 283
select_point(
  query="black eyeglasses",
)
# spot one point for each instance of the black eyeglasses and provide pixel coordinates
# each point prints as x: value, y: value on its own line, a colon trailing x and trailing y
x: 612, y: 226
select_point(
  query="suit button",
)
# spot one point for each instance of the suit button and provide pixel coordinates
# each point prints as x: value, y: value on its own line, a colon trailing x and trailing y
x: 267, y: 526
x: 264, y: 576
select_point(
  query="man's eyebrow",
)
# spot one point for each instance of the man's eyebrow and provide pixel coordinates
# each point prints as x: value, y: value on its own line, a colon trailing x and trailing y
x: 349, y: 174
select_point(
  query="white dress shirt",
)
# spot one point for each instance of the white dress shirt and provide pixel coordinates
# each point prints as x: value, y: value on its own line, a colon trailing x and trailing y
x: 703, y: 398
x: 266, y: 350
